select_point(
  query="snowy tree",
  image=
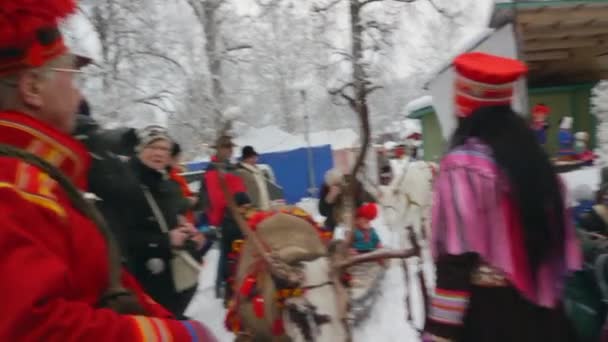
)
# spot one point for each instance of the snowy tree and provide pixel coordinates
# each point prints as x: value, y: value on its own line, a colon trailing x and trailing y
x: 138, y: 74
x: 599, y: 107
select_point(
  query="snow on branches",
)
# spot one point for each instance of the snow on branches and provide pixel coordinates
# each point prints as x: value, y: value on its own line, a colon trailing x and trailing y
x: 599, y: 108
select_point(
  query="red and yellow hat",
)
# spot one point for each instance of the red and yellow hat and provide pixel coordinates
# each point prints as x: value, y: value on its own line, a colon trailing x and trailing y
x: 484, y: 80
x: 29, y: 32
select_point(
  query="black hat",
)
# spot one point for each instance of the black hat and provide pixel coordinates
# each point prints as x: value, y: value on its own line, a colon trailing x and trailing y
x: 176, y: 150
x: 247, y: 152
x: 83, y: 108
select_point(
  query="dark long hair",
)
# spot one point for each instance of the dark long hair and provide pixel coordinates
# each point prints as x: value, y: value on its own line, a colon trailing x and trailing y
x: 532, y: 178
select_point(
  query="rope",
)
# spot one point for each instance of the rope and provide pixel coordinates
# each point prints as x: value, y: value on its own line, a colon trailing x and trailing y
x: 115, y: 288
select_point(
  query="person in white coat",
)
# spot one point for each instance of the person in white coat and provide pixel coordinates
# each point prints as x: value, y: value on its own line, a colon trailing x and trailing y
x: 254, y: 178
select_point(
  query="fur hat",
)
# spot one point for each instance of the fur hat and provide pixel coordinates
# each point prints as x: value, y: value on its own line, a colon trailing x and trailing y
x: 333, y: 177
x: 150, y: 134
x: 223, y: 141
x: 29, y: 33
x: 368, y: 211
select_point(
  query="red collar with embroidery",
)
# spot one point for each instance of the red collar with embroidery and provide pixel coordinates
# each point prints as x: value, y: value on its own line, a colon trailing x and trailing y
x: 59, y: 149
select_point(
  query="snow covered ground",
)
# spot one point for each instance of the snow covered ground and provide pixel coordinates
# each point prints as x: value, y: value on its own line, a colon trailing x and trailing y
x: 387, y: 321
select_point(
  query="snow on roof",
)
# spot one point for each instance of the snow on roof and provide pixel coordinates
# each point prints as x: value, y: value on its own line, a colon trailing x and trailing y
x: 467, y: 44
x: 270, y: 139
x: 273, y: 139
x: 419, y: 103
x: 338, y: 139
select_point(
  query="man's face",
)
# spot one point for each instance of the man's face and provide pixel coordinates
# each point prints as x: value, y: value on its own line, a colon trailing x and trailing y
x: 156, y: 155
x: 253, y: 160
x: 51, y: 94
x: 225, y: 152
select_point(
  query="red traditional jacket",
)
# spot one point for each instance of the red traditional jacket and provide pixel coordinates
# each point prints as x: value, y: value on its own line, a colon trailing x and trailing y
x: 53, y: 260
x: 175, y: 175
x: 218, y: 204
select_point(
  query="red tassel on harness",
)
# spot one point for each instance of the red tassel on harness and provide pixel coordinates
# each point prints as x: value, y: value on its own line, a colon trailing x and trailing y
x: 247, y: 286
x: 278, y: 329
x: 258, y: 306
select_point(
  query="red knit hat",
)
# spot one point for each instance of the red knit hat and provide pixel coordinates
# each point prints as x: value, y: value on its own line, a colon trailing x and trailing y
x: 541, y: 110
x: 484, y: 80
x: 367, y: 211
x: 29, y: 32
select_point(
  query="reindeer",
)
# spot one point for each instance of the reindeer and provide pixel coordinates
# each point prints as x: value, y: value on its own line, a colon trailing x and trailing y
x: 299, y: 259
x: 408, y: 198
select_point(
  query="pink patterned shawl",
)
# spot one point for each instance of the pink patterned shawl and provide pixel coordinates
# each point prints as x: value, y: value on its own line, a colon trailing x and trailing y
x: 474, y: 211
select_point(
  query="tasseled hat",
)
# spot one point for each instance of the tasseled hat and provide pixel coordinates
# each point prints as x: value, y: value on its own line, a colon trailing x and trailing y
x: 484, y: 80
x: 367, y: 211
x: 150, y: 134
x: 29, y: 33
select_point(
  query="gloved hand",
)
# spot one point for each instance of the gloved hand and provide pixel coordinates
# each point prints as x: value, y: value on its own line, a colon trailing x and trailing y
x: 210, y: 232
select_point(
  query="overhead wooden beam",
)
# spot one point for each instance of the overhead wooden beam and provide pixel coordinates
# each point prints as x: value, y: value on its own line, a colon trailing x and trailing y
x: 557, y: 13
x: 546, y: 56
x: 564, y: 31
x: 557, y: 44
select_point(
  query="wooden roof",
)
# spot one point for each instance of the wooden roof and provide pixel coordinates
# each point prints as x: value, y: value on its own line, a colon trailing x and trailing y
x: 561, y: 41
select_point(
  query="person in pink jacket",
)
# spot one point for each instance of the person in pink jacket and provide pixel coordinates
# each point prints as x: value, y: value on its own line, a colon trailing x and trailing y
x: 502, y: 238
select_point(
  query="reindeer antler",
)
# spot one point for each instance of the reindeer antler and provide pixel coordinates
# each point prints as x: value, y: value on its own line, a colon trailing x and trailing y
x: 379, y: 255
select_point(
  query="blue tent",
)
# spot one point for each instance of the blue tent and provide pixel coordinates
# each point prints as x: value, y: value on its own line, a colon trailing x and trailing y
x: 291, y: 169
x: 197, y: 166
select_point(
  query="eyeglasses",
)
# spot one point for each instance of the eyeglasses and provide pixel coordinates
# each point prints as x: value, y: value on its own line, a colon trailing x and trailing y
x: 79, y: 76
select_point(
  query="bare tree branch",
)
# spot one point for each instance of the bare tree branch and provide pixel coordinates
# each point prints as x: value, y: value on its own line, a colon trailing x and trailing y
x: 440, y: 10
x: 367, y: 2
x: 319, y: 9
x: 238, y: 47
x: 380, y: 254
x: 372, y: 89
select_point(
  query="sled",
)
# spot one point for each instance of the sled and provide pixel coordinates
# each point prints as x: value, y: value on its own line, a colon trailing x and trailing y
x: 364, y: 288
x: 568, y: 166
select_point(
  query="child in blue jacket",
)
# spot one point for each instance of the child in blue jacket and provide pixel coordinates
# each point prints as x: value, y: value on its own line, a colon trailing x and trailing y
x: 365, y: 238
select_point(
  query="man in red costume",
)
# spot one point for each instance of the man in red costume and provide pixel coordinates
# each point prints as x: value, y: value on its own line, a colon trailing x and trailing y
x: 57, y: 265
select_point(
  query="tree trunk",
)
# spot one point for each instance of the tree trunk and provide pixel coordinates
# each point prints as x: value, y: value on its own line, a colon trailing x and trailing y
x: 359, y: 105
x: 214, y: 60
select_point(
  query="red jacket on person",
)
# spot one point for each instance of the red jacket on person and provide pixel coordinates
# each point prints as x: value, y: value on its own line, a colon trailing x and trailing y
x: 217, y: 201
x: 53, y: 260
x: 175, y: 175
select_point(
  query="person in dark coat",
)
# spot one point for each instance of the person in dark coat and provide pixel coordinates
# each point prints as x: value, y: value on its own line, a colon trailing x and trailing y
x: 330, y: 198
x: 596, y: 219
x: 230, y: 233
x: 109, y: 176
x: 148, y: 246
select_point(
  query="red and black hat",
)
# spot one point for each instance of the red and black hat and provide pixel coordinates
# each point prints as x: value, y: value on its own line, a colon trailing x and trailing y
x: 484, y: 80
x: 29, y: 32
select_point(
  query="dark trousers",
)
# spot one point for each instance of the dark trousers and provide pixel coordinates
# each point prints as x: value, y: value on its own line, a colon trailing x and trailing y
x: 180, y: 302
